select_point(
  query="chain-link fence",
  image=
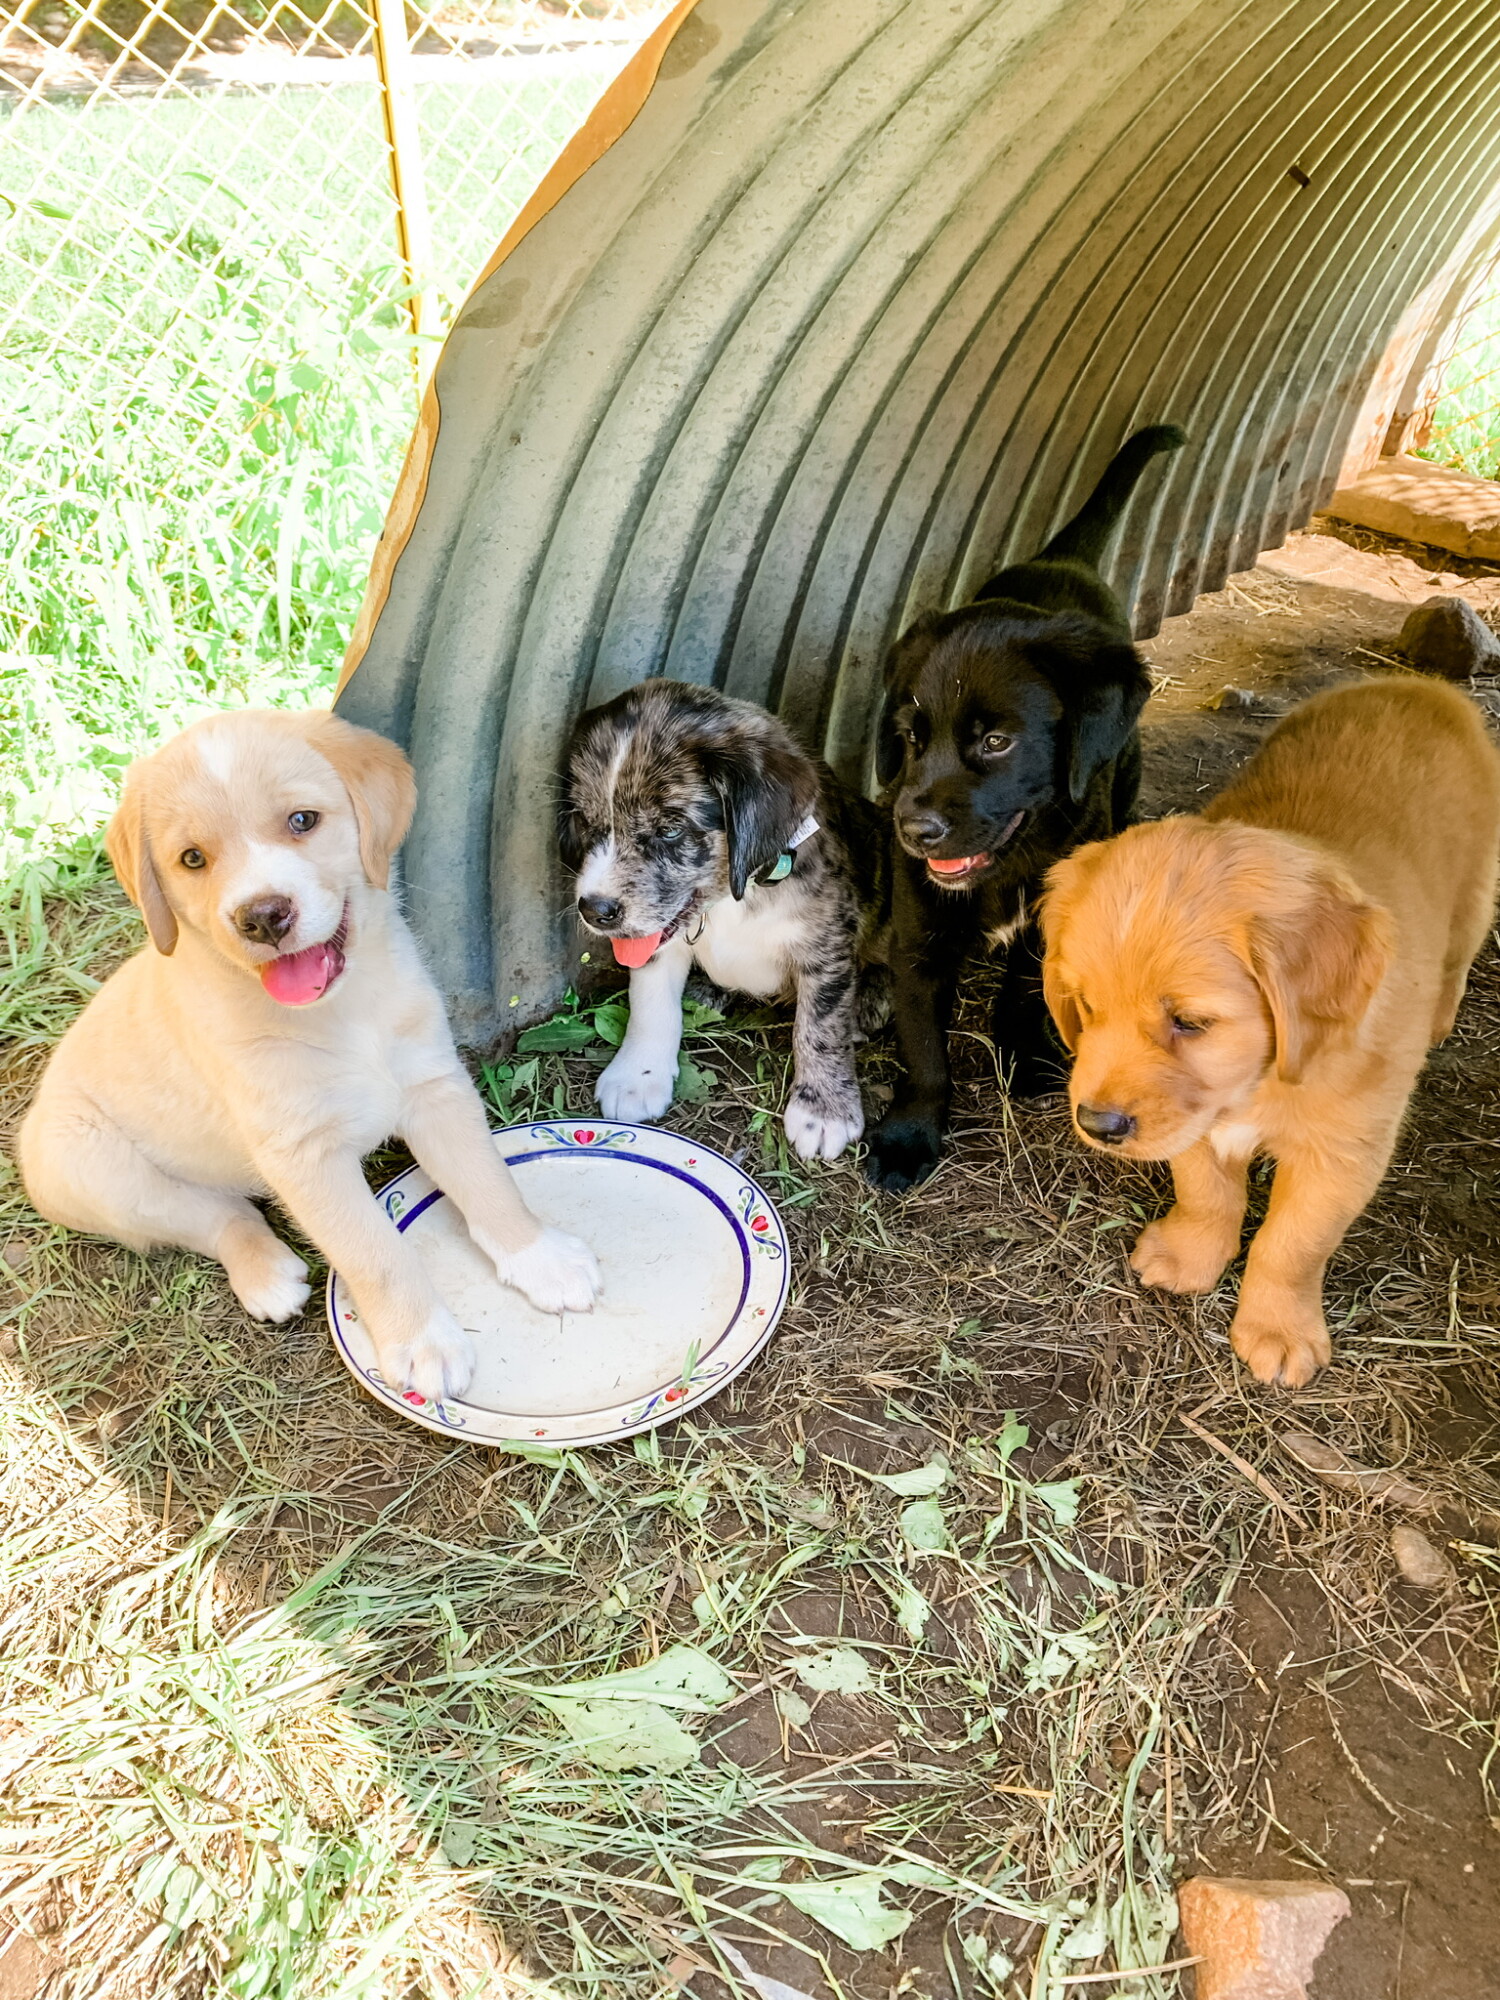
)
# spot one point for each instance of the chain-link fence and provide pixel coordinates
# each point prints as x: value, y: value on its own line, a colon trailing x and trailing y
x: 1463, y: 425
x: 206, y: 333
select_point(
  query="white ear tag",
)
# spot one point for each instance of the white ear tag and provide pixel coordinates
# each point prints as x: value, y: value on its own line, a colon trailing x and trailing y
x: 782, y: 866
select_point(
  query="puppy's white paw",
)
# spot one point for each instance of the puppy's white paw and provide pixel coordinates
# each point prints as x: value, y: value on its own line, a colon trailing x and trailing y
x: 270, y: 1282
x: 437, y: 1362
x: 820, y: 1124
x: 635, y: 1094
x: 557, y: 1273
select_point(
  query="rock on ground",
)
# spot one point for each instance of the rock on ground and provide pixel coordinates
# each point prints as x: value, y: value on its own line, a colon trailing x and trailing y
x: 1447, y: 636
x: 1257, y: 1940
x: 1419, y: 1562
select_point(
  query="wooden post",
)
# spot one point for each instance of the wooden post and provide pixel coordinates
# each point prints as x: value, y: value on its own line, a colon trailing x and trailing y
x: 398, y: 103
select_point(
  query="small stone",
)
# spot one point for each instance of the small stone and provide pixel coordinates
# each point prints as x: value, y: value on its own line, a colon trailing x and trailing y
x: 1447, y: 636
x: 1419, y: 1562
x: 1257, y: 1940
x: 1232, y: 697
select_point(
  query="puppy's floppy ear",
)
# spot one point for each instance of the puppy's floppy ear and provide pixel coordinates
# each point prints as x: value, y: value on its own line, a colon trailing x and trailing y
x: 381, y: 786
x: 901, y: 663
x: 1062, y: 1004
x: 1064, y: 881
x: 129, y: 850
x: 890, y: 751
x: 570, y: 835
x: 1318, y: 959
x: 1102, y: 727
x: 570, y: 825
x: 590, y: 766
x: 1103, y: 683
x: 766, y: 791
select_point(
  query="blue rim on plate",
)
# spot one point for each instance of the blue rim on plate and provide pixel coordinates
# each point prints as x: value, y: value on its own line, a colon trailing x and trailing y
x: 750, y: 1247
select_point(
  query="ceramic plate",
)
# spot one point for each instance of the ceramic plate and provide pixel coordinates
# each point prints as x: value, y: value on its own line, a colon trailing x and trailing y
x: 695, y: 1278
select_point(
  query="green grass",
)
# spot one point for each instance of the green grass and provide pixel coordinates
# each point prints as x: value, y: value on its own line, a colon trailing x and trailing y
x: 205, y: 392
x: 275, y: 1666
x: 276, y: 1726
x: 284, y: 1679
x: 1466, y: 420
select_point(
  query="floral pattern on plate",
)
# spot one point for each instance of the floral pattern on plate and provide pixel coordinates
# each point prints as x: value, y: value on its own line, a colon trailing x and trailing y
x: 696, y: 1277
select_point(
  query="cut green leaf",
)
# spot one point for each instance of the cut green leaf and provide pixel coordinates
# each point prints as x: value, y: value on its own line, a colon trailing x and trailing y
x: 840, y: 1670
x: 765, y: 1868
x: 611, y: 1021
x: 694, y: 1084
x: 621, y: 1722
x: 1059, y: 1659
x: 1062, y: 1496
x: 912, y: 1612
x: 918, y: 1482
x: 460, y: 1838
x: 562, y: 1034
x: 1014, y: 1436
x: 852, y: 1909
x: 1089, y: 1937
x: 924, y: 1526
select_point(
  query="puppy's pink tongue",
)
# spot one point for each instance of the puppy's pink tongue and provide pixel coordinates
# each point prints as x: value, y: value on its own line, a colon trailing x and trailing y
x: 635, y: 951
x: 303, y: 976
x: 953, y: 867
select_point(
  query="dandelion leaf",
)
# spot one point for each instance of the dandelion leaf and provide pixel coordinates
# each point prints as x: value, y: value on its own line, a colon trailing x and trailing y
x: 924, y: 1526
x: 839, y: 1670
x: 1061, y: 1497
x: 918, y: 1482
x: 623, y: 1722
x: 851, y: 1908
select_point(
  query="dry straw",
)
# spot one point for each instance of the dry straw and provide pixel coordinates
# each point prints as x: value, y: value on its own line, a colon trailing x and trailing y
x: 269, y: 1656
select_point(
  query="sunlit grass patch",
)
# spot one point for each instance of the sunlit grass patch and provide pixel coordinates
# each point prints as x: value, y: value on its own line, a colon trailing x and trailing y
x: 1465, y: 428
x: 205, y: 391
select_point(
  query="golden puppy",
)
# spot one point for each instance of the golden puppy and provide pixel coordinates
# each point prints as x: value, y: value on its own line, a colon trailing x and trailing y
x: 276, y: 1028
x: 1269, y: 978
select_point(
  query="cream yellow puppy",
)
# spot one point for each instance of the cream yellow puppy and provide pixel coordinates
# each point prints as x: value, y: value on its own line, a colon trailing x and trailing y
x: 276, y: 1028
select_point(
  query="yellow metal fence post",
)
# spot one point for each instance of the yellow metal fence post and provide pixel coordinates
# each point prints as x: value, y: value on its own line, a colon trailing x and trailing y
x: 398, y: 103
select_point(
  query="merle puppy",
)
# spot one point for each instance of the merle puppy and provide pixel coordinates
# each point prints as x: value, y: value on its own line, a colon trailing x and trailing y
x: 1009, y: 736
x: 700, y: 831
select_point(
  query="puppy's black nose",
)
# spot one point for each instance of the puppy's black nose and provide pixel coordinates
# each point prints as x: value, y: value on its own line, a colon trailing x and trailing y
x: 265, y: 920
x: 603, y: 912
x: 1112, y: 1127
x: 924, y: 829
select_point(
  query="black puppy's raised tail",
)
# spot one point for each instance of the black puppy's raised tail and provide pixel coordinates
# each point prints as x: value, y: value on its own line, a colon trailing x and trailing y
x: 1085, y: 537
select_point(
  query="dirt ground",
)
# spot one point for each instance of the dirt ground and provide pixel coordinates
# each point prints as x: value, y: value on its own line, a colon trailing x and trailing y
x: 1338, y: 1770
x: 1348, y: 1781
x: 1276, y: 1702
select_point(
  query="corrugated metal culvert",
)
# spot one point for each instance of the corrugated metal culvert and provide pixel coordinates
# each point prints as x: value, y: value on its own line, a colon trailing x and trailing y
x: 853, y: 310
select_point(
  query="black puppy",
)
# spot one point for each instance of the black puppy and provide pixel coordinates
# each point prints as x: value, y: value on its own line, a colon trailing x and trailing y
x: 1011, y: 727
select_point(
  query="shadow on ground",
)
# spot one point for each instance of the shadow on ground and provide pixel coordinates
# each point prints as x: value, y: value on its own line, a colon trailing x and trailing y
x: 274, y: 1727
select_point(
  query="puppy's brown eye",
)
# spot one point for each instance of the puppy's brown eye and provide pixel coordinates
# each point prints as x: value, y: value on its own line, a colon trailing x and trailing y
x: 193, y: 857
x: 995, y: 743
x: 303, y: 822
x: 1181, y: 1025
